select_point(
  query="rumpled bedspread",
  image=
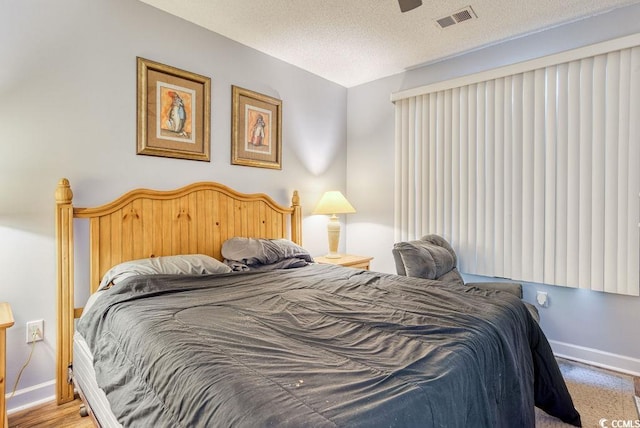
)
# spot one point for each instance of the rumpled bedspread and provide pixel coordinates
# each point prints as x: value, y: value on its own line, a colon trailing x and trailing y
x: 319, y: 346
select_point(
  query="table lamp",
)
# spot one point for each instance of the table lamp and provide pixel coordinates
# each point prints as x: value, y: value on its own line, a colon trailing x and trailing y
x: 333, y: 202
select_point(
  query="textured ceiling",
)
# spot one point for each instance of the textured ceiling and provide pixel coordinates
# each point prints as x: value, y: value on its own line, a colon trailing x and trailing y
x: 356, y: 41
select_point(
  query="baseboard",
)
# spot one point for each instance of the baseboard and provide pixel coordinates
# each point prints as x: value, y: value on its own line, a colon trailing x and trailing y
x: 595, y: 357
x: 31, y: 396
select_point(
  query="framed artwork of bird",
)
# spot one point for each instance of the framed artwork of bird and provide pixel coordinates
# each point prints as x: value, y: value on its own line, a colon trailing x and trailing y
x: 256, y: 134
x: 174, y: 112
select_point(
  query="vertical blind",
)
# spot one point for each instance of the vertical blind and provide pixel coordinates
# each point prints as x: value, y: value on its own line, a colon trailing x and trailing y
x: 531, y: 175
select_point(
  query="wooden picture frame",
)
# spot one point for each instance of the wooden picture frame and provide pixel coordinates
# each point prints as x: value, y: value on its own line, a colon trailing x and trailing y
x: 256, y: 130
x: 174, y: 112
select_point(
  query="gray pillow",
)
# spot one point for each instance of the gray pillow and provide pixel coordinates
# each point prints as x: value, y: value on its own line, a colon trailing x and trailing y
x: 186, y: 264
x: 422, y: 259
x: 258, y: 251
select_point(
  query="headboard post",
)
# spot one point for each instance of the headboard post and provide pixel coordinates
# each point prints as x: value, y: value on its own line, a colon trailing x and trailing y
x: 296, y: 218
x: 65, y: 289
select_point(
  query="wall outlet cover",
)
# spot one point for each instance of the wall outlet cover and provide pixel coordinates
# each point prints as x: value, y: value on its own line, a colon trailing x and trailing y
x: 542, y: 298
x: 35, y: 331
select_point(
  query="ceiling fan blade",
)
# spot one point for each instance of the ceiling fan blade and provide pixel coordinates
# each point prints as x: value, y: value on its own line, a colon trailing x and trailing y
x: 407, y: 5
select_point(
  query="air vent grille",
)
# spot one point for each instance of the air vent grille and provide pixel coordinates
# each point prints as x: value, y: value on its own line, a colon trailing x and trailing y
x: 446, y: 21
x: 457, y: 17
x: 462, y: 15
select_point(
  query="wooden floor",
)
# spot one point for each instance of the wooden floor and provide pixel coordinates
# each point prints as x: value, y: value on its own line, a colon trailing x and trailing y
x: 51, y: 415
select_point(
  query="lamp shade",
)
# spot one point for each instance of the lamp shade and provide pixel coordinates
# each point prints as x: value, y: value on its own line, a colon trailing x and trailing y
x: 333, y: 202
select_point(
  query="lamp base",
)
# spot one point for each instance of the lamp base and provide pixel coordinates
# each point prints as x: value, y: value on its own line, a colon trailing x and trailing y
x: 333, y: 256
x: 333, y: 232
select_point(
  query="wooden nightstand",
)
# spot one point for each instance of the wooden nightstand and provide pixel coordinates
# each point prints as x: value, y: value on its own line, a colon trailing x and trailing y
x: 348, y: 260
x: 6, y: 321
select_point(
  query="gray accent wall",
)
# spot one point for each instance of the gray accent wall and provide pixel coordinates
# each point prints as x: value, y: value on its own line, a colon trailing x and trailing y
x: 586, y: 325
x: 68, y: 80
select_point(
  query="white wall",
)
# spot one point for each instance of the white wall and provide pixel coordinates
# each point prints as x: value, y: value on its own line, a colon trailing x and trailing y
x: 68, y: 84
x: 598, y: 327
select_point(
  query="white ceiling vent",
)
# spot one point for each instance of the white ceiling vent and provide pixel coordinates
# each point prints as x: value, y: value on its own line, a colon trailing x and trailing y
x: 457, y: 17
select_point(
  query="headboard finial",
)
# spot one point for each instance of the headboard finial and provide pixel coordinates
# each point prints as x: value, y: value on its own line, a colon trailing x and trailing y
x: 64, y: 195
x: 295, y: 200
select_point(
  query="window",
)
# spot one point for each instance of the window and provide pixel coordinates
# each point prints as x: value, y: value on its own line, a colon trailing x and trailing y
x: 532, y: 171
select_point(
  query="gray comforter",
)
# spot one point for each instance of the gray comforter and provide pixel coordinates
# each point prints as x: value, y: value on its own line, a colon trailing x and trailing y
x: 319, y: 346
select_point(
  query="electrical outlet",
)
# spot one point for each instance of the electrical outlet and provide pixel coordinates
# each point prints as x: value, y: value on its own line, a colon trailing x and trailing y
x: 35, y: 331
x: 542, y: 298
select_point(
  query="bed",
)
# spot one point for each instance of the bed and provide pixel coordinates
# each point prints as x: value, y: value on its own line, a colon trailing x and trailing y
x: 311, y: 345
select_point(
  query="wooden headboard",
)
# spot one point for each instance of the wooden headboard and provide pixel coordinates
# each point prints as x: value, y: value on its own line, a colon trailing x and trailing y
x: 195, y: 219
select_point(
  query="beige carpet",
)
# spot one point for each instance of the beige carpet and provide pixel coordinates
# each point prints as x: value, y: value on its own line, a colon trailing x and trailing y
x: 597, y: 394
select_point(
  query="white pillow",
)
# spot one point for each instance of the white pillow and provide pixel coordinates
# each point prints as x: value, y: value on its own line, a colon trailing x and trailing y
x: 187, y: 264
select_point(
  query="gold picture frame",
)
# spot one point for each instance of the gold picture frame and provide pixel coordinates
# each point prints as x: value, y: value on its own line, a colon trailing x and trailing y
x: 256, y: 129
x: 174, y: 112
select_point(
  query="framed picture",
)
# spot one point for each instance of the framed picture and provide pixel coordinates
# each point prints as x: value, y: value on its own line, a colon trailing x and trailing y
x: 256, y: 130
x: 174, y: 112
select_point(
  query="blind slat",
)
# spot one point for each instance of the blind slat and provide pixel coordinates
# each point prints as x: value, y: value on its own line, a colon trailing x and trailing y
x: 481, y: 174
x: 464, y: 174
x: 516, y: 164
x: 455, y: 166
x: 528, y: 177
x: 538, y: 171
x: 500, y: 207
x: 550, y: 208
x: 611, y: 173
